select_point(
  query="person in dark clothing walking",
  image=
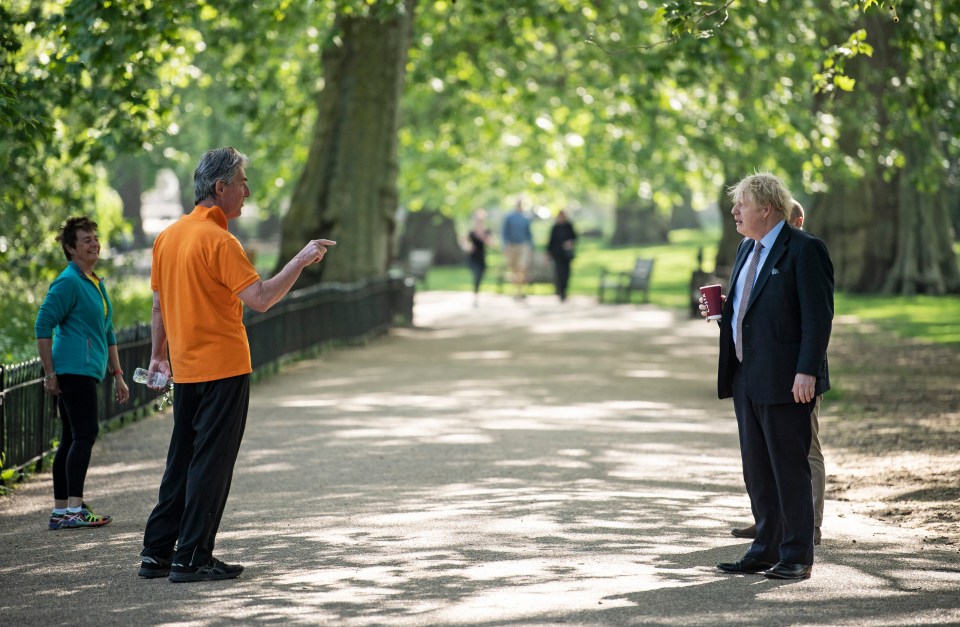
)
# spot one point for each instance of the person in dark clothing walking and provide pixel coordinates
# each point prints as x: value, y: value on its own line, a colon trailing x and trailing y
x: 475, y: 244
x: 561, y: 248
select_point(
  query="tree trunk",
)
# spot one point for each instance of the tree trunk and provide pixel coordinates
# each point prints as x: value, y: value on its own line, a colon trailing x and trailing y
x: 434, y: 231
x: 887, y: 231
x: 348, y: 189
x: 858, y: 220
x: 127, y: 179
x: 636, y: 224
x: 683, y: 215
x: 729, y: 237
x: 187, y: 191
x: 925, y: 262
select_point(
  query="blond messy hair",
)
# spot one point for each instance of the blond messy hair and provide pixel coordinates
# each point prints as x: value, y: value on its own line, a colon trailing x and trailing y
x: 767, y: 190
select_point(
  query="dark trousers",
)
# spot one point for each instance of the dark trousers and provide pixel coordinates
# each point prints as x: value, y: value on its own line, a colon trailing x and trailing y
x: 79, y: 429
x: 774, y: 444
x: 208, y: 423
x: 477, y: 269
x: 561, y: 276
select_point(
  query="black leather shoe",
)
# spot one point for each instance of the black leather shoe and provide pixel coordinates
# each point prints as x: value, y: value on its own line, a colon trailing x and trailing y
x: 745, y: 532
x: 789, y: 570
x: 745, y: 566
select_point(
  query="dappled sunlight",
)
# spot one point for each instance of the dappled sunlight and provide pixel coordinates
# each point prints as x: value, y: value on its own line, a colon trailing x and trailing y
x: 414, y: 430
x: 645, y: 319
x: 311, y: 402
x: 933, y: 579
x: 542, y: 462
x: 826, y: 579
x: 646, y: 374
x: 477, y: 391
x: 520, y: 464
x: 475, y: 355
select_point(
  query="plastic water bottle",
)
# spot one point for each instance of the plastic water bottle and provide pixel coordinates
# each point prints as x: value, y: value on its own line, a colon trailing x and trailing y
x: 156, y: 380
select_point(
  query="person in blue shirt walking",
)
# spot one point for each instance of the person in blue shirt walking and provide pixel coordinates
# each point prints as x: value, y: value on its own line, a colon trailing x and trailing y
x: 517, y: 243
x: 75, y: 339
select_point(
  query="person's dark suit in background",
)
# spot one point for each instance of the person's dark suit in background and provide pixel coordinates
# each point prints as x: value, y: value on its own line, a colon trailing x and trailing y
x: 783, y: 332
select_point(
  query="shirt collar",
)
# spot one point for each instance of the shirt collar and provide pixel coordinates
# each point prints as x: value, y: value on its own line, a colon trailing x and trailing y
x: 772, y: 235
x: 213, y: 214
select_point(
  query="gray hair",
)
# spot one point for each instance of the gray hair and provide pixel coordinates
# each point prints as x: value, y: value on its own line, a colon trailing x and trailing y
x: 766, y: 190
x: 219, y: 164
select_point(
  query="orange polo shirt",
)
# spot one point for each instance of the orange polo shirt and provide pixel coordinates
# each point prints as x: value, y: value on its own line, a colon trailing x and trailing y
x: 198, y: 269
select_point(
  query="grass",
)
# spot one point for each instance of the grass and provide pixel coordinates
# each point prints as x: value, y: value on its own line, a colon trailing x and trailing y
x: 929, y: 318
x: 669, y: 285
x: 934, y: 319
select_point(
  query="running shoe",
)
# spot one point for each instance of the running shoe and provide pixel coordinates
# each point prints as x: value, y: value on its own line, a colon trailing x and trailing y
x: 83, y: 518
x: 153, y: 567
x: 56, y: 520
x: 213, y: 570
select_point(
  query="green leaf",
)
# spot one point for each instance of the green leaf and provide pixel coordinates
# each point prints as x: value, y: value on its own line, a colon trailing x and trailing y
x: 844, y: 82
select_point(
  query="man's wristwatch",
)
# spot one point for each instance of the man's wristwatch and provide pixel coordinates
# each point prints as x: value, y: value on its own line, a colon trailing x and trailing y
x: 49, y: 376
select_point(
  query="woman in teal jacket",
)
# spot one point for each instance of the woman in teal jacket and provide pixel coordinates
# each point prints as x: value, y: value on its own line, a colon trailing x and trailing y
x: 76, y: 343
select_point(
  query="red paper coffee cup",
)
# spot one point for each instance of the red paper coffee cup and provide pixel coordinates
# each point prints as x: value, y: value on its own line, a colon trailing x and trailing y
x: 712, y: 295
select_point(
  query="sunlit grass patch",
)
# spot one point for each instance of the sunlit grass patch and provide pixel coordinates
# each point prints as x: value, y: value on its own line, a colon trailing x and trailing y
x: 932, y: 318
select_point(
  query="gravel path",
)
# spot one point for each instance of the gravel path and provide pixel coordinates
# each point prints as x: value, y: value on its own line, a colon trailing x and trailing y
x: 517, y: 463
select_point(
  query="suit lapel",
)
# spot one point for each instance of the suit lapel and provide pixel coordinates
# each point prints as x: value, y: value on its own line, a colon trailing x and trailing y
x: 738, y: 263
x: 777, y: 251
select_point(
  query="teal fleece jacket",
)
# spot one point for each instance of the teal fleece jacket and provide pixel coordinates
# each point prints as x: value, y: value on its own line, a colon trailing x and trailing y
x: 72, y: 314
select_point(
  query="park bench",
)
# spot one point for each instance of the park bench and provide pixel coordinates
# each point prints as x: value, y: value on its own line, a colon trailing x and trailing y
x: 540, y: 270
x: 624, y: 284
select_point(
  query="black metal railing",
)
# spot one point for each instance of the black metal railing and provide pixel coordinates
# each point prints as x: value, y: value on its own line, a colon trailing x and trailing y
x: 306, y: 320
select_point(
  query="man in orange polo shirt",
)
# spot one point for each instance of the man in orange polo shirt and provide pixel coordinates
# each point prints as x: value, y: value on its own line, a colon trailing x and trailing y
x: 201, y: 278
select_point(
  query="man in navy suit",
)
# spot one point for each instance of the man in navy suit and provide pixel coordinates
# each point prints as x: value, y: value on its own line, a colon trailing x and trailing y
x: 774, y: 332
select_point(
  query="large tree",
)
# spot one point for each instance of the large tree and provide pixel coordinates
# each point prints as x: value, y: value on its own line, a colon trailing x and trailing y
x: 348, y: 188
x: 889, y: 185
x: 79, y: 82
x: 638, y: 103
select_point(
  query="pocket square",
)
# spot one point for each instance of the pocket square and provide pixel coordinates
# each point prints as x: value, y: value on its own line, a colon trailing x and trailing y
x: 775, y: 271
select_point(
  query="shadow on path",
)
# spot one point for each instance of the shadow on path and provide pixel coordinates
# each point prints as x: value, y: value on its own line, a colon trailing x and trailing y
x: 513, y: 464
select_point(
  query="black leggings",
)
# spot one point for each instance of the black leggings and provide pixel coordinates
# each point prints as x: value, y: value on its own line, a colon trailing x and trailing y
x: 477, y: 269
x: 78, y: 419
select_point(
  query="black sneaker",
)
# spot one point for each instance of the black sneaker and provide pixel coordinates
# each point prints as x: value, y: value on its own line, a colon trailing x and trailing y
x: 153, y: 567
x: 213, y: 570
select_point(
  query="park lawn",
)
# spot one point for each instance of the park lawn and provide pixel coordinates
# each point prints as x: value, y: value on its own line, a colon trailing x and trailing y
x: 674, y: 263
x: 934, y: 319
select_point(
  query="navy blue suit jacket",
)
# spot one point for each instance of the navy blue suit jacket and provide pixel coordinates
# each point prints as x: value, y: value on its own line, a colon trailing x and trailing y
x: 787, y: 325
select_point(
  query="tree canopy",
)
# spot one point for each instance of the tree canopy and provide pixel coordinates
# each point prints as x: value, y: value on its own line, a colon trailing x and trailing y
x: 643, y: 106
